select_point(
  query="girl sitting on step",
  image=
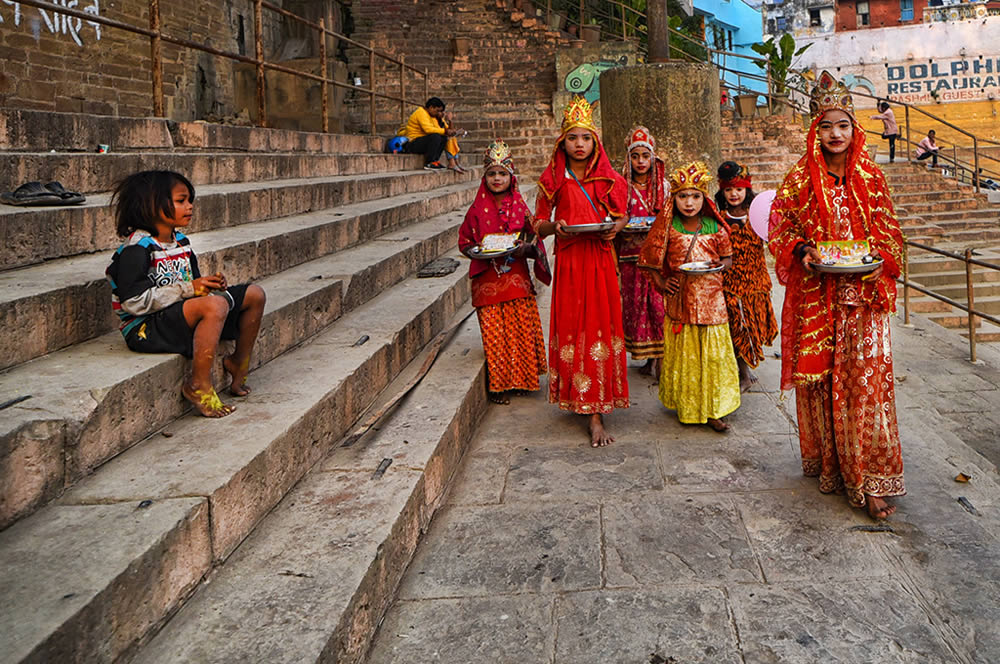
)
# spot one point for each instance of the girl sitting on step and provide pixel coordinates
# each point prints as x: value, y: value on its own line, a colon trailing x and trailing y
x: 164, y: 303
x: 502, y: 291
x: 699, y: 378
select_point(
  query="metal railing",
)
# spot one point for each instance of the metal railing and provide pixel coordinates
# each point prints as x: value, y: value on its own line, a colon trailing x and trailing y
x: 969, y: 308
x: 157, y: 38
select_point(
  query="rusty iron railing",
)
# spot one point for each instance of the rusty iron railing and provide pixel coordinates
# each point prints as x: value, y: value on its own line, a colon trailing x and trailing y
x: 969, y: 308
x: 157, y: 38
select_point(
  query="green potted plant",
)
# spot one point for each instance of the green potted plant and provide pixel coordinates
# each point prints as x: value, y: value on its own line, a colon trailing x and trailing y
x: 778, y: 59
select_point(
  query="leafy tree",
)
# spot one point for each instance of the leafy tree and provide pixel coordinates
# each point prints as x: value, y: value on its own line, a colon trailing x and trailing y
x: 780, y: 56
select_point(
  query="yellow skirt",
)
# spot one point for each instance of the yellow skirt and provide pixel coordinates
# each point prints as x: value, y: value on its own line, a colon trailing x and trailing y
x: 699, y: 378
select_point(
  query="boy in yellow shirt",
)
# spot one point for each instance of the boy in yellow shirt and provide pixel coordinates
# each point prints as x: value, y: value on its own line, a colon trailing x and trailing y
x: 425, y: 135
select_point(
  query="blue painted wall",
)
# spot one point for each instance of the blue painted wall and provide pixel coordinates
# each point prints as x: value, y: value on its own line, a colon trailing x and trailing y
x: 740, y: 25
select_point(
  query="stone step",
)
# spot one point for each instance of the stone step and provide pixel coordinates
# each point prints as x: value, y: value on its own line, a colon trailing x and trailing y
x: 23, y: 129
x: 208, y: 136
x: 923, y: 205
x: 985, y: 293
x: 92, y: 400
x: 943, y: 278
x: 90, y: 173
x: 70, y: 297
x: 91, y: 227
x: 93, y: 575
x: 986, y: 332
x: 984, y: 216
x: 905, y: 197
x: 345, y: 535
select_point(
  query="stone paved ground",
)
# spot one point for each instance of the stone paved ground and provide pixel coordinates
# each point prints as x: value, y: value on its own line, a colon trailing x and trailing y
x: 677, y: 544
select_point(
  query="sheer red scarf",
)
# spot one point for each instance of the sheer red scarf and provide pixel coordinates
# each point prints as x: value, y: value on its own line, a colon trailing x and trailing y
x: 512, y: 215
x: 611, y: 194
x: 655, y: 194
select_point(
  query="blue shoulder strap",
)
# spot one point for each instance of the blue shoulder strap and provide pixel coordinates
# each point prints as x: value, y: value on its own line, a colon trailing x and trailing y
x: 570, y: 171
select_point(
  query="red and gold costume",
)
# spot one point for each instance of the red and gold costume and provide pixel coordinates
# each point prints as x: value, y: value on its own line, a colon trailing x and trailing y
x: 502, y: 290
x: 642, y: 304
x: 835, y: 347
x: 586, y: 342
x: 747, y: 285
x: 699, y: 378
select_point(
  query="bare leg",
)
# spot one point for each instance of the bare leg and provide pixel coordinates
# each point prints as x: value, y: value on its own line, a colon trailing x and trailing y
x: 238, y: 364
x: 747, y: 378
x: 879, y: 508
x: 206, y: 316
x: 647, y: 368
x: 599, y: 437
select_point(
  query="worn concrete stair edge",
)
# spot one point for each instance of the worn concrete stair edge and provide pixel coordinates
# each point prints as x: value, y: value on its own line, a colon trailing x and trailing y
x: 207, y: 136
x: 90, y: 227
x: 68, y: 300
x: 90, y: 173
x: 23, y: 129
x: 95, y: 399
x: 313, y: 581
x: 241, y: 466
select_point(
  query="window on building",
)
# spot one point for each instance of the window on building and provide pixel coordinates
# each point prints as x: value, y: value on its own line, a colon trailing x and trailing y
x: 730, y: 39
x: 864, y: 18
x: 770, y: 26
x: 814, y: 20
x: 782, y: 24
x: 905, y: 10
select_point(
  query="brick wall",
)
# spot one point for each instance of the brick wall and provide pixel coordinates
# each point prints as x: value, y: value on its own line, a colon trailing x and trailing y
x: 882, y: 14
x: 509, y: 71
x: 60, y: 63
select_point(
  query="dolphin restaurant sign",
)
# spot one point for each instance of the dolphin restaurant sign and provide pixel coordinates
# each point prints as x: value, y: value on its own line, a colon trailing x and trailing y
x: 958, y: 79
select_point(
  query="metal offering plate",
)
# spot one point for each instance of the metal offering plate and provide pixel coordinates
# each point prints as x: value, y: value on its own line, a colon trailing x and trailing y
x: 639, y: 224
x: 479, y: 252
x: 700, y: 267
x: 855, y: 268
x: 579, y: 229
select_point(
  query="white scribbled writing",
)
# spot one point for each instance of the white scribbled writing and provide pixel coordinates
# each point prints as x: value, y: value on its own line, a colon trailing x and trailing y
x: 57, y: 23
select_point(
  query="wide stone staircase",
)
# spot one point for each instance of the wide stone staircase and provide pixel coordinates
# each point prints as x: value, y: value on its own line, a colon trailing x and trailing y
x: 500, y: 87
x: 933, y: 210
x: 136, y: 531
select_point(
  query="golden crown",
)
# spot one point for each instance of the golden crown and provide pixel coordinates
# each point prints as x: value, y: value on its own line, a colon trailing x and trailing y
x: 498, y: 154
x: 691, y: 176
x: 829, y: 94
x: 579, y: 113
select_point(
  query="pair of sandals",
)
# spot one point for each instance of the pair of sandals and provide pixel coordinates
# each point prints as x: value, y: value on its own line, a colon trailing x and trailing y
x: 35, y: 193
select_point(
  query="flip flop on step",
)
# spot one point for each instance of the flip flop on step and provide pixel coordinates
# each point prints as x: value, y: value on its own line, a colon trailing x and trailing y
x: 34, y: 193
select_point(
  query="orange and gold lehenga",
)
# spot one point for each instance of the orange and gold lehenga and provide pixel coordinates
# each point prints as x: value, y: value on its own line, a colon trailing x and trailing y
x: 835, y: 346
x: 587, y: 362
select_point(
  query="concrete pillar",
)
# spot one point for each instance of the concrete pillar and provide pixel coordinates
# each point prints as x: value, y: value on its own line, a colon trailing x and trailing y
x: 677, y: 101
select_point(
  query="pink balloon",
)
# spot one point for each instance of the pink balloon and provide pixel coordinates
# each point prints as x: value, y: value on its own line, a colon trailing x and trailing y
x: 760, y: 211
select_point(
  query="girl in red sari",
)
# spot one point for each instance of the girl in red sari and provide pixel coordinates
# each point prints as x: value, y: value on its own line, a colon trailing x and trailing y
x: 835, y: 348
x: 502, y: 291
x: 642, y: 305
x: 586, y: 340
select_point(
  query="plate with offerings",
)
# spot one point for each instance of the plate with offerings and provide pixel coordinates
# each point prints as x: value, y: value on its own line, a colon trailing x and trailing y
x: 578, y: 229
x: 639, y: 224
x: 845, y: 257
x: 701, y: 267
x: 495, y: 245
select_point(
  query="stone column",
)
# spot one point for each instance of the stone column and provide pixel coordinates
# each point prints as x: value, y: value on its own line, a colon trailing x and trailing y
x: 677, y: 101
x: 659, y: 37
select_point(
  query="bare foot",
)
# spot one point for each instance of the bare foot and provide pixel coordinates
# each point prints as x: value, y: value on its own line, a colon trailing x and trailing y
x: 238, y: 373
x: 879, y: 508
x: 599, y: 437
x: 207, y: 402
x: 657, y: 367
x: 719, y: 425
x: 646, y: 369
x: 500, y: 398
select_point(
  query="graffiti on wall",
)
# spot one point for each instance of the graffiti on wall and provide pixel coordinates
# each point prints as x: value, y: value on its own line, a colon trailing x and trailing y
x: 584, y: 80
x: 70, y: 27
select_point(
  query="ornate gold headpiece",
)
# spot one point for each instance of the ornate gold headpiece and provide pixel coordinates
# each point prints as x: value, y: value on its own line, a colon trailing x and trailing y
x: 579, y: 113
x: 829, y: 94
x: 640, y: 137
x: 694, y: 175
x: 498, y: 154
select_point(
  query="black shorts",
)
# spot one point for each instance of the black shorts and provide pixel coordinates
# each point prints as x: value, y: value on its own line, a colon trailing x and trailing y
x: 167, y: 331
